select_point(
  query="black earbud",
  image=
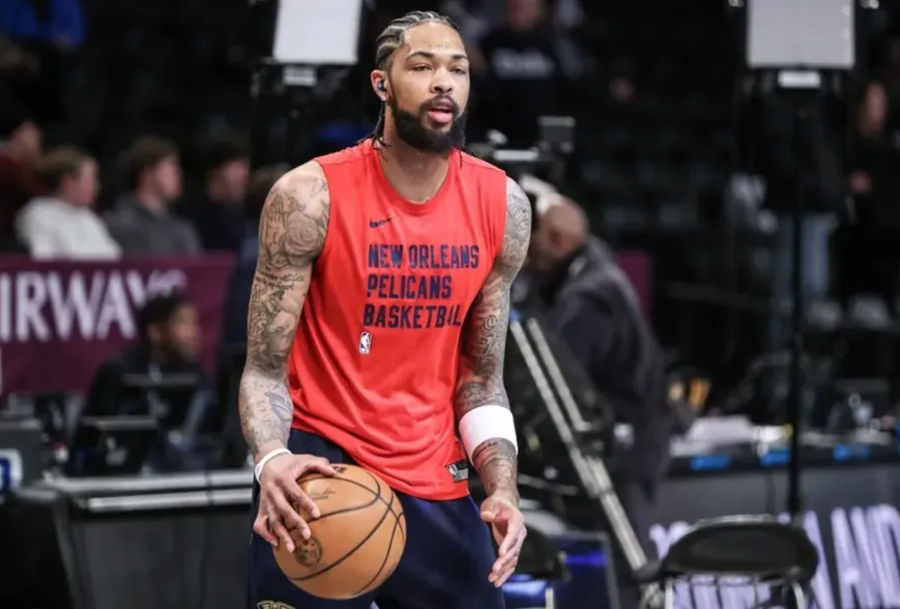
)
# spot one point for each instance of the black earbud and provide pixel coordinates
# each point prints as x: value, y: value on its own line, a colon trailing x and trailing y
x: 381, y: 85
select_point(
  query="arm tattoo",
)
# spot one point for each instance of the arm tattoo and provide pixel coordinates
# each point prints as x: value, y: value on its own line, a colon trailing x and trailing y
x: 484, y: 343
x: 495, y: 462
x: 292, y: 231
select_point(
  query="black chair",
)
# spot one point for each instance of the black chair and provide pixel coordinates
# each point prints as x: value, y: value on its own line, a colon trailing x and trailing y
x: 735, y: 551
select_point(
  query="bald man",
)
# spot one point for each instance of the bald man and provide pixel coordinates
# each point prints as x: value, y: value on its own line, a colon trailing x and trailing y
x: 563, y: 254
x: 591, y: 304
x: 562, y: 231
x: 588, y: 301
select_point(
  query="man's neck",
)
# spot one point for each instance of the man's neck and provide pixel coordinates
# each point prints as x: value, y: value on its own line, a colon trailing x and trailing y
x: 415, y: 175
x: 150, y: 202
x: 156, y: 355
x: 218, y: 195
x: 870, y: 129
x: 553, y: 280
x: 61, y: 196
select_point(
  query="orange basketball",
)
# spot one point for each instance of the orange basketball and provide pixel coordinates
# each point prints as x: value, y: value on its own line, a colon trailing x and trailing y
x: 357, y: 541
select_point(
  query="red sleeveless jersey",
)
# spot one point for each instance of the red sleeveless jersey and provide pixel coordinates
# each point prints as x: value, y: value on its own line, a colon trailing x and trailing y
x: 375, y: 360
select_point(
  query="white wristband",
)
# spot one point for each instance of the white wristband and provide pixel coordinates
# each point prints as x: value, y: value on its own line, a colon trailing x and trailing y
x: 257, y: 471
x: 486, y: 423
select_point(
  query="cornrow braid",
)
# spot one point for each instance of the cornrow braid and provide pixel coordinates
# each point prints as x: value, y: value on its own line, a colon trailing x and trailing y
x: 391, y: 39
x: 394, y: 35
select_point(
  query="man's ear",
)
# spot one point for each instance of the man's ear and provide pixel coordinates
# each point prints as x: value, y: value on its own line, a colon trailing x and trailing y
x: 556, y: 238
x: 380, y: 84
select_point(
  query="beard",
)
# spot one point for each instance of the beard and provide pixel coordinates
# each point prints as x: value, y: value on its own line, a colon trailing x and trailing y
x: 412, y: 130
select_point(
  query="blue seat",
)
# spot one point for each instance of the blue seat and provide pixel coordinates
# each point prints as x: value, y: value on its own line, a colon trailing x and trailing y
x: 524, y: 592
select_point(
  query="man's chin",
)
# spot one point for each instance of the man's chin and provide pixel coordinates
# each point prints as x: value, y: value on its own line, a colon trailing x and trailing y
x: 435, y: 127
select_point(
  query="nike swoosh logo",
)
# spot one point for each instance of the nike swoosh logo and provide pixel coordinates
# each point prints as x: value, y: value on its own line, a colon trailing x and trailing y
x: 377, y: 223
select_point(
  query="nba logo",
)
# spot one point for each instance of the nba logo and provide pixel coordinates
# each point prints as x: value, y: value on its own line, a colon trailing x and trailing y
x: 365, y: 343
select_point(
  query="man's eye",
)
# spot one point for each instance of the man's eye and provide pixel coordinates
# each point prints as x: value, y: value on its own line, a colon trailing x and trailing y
x: 420, y: 68
x: 459, y: 70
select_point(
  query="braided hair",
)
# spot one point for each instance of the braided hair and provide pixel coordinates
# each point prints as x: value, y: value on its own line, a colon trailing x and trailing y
x: 391, y: 39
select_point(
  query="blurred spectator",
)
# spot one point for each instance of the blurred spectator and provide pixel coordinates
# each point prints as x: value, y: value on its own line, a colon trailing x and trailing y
x: 162, y: 377
x: 870, y: 256
x: 141, y: 221
x: 218, y: 215
x: 64, y: 224
x: 476, y: 17
x: 798, y: 157
x: 20, y: 145
x: 529, y: 71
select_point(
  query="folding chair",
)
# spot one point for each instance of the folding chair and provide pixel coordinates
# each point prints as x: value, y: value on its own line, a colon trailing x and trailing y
x: 750, y: 551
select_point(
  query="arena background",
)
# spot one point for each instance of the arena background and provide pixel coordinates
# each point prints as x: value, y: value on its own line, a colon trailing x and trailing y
x: 688, y: 166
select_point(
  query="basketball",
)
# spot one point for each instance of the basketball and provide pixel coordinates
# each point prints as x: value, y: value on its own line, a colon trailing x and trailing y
x: 357, y: 541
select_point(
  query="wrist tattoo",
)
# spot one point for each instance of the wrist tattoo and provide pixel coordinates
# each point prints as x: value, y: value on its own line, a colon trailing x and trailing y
x: 495, y: 461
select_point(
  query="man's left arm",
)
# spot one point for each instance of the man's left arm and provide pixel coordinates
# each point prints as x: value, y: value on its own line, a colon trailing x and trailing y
x: 482, y: 408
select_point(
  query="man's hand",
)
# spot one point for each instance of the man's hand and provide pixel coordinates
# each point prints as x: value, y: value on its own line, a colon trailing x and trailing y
x: 283, y: 506
x: 508, y: 527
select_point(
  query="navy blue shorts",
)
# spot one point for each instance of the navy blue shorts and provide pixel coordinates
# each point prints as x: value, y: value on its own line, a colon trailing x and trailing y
x: 445, y: 565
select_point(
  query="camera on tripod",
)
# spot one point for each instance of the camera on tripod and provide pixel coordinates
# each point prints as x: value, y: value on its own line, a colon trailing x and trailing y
x: 547, y: 157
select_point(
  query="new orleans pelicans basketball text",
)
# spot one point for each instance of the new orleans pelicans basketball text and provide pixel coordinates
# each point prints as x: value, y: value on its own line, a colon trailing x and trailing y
x: 399, y: 282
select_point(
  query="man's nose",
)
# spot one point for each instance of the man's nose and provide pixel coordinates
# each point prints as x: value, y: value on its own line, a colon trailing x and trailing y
x: 442, y: 83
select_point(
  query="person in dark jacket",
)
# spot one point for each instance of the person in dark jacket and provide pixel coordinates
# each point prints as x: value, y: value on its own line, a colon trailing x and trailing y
x: 162, y: 377
x: 142, y: 221
x: 218, y: 214
x: 593, y: 307
x: 530, y: 71
x: 869, y: 259
x: 588, y: 301
x: 20, y: 145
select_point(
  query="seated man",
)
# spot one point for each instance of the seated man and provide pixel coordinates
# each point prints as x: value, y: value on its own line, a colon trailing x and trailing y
x: 162, y: 377
x: 587, y: 300
x: 142, y: 221
x: 593, y: 307
x: 64, y: 224
x: 217, y: 212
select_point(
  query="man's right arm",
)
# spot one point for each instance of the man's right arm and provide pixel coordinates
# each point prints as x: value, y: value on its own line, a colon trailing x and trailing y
x: 292, y: 230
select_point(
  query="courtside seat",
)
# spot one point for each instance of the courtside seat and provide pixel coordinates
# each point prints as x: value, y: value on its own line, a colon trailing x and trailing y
x: 755, y: 551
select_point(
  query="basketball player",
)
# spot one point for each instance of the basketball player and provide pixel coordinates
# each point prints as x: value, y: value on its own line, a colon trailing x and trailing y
x: 376, y: 333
